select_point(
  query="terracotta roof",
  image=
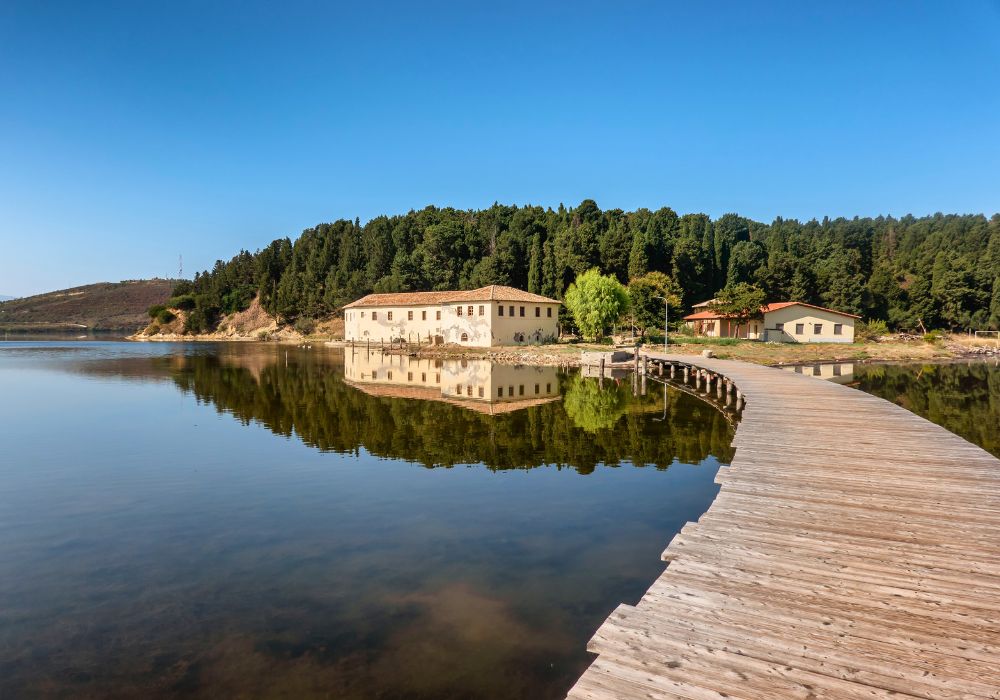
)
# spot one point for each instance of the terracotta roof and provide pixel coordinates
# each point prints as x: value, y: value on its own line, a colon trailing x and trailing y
x: 783, y: 304
x: 767, y: 308
x: 493, y: 292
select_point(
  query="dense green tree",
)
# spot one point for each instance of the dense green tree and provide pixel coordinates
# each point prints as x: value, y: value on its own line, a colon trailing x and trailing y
x: 596, y: 301
x: 646, y: 295
x: 740, y: 301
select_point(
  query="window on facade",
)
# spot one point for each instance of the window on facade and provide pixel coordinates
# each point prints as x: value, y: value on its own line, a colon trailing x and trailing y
x: 836, y: 370
x: 798, y: 369
x: 423, y: 376
x: 458, y: 310
x: 363, y: 314
x: 538, y: 311
x: 465, y: 337
x: 548, y: 312
x: 511, y: 309
x: 468, y: 390
x: 389, y: 315
x: 374, y: 315
x: 409, y: 376
x: 522, y: 311
x: 520, y: 390
x: 800, y: 328
x: 500, y: 310
x: 537, y: 387
x: 437, y: 378
x: 779, y: 326
x: 482, y: 310
x: 499, y: 392
x: 423, y: 315
x: 817, y: 329
x: 816, y: 370
x: 510, y: 391
x: 481, y: 392
x: 838, y: 329
x: 409, y: 315
x: 458, y: 389
x: 470, y: 311
x: 548, y: 388
x: 374, y: 374
x: 389, y: 374
x: 437, y: 315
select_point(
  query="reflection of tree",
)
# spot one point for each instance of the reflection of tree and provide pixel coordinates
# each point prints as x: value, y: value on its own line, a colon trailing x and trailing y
x: 964, y: 398
x: 308, y: 398
x: 591, y: 407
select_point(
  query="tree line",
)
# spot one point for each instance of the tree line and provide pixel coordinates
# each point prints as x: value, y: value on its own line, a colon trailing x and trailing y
x: 940, y: 271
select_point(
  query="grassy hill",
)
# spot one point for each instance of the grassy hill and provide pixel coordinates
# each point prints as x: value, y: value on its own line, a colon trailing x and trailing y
x: 105, y: 306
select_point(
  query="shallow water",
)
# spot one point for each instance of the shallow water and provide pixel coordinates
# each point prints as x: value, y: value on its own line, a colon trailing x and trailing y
x: 248, y: 520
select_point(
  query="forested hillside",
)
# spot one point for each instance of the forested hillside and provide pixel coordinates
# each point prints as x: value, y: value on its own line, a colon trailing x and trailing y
x: 941, y: 270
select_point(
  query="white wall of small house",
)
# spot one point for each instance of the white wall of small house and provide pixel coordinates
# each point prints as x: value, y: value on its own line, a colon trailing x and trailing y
x: 792, y: 317
x: 536, y: 325
x: 458, y: 326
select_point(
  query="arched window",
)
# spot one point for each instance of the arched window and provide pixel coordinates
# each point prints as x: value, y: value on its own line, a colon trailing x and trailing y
x: 465, y: 337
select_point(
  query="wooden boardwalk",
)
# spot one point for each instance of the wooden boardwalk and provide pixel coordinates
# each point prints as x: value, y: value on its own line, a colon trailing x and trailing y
x: 853, y: 551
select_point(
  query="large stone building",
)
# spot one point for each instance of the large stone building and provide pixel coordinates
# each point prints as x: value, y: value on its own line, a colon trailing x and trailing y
x: 784, y: 322
x: 494, y: 315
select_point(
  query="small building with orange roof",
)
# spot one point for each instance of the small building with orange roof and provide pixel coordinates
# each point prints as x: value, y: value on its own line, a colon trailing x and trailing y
x: 783, y: 322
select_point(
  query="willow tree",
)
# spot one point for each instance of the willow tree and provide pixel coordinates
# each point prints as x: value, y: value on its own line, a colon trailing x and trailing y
x: 596, y: 301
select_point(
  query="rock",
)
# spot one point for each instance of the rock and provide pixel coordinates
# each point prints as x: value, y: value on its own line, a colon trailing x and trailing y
x: 707, y: 353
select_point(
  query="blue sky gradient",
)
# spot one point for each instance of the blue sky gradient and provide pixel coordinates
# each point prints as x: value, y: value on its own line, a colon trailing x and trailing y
x: 132, y: 132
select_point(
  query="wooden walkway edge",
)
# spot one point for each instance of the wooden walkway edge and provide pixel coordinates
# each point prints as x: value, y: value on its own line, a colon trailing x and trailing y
x: 853, y: 551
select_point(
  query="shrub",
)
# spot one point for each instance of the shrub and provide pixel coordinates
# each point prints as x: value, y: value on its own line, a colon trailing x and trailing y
x: 305, y: 326
x: 872, y: 329
x: 184, y: 301
x: 933, y: 336
x: 155, y: 310
x: 165, y: 316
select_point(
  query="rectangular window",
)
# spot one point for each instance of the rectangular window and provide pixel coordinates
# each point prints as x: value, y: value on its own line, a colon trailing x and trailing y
x: 468, y: 390
x: 499, y: 392
x: 537, y: 387
x: 510, y: 391
x: 780, y: 327
x: 520, y: 390
x: 458, y: 389
x: 390, y: 315
x: 511, y: 309
x: 423, y: 376
x: 470, y: 311
x: 548, y: 312
x: 817, y: 329
x: 522, y: 312
x: 409, y: 315
x: 501, y: 310
x: 481, y: 392
x: 482, y: 310
x: 437, y: 378
x: 437, y: 315
x: 389, y: 374
x: 374, y: 374
x: 836, y: 370
x: 548, y: 388
x: 800, y: 328
x: 363, y: 314
x: 538, y: 311
x: 409, y: 376
x: 458, y: 310
x: 374, y: 315
x: 838, y: 329
x: 816, y: 370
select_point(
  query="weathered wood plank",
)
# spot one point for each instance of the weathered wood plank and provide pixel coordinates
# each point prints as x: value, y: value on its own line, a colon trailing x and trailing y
x: 853, y: 552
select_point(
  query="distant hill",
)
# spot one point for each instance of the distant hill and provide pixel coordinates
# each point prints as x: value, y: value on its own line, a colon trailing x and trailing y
x: 5, y: 297
x: 105, y: 306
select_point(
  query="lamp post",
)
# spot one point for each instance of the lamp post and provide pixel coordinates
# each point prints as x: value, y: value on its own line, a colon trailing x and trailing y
x: 666, y: 321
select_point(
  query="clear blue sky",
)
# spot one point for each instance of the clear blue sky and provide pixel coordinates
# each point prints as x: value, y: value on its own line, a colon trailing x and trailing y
x: 131, y: 132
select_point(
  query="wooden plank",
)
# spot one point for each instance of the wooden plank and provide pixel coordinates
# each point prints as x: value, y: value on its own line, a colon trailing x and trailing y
x: 853, y: 552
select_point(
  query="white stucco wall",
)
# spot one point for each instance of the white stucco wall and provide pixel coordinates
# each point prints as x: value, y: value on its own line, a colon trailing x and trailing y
x: 534, y: 328
x: 791, y: 316
x: 360, y: 326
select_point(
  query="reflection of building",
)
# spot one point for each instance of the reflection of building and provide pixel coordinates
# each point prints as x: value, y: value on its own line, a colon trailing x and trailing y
x: 839, y: 372
x: 785, y: 322
x: 479, y: 385
x: 494, y: 315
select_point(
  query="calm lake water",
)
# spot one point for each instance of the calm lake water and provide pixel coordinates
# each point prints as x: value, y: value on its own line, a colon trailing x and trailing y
x: 244, y: 520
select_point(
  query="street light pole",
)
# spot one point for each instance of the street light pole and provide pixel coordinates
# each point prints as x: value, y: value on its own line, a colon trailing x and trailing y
x: 666, y: 322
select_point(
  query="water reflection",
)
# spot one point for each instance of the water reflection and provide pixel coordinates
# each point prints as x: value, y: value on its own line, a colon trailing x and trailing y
x: 838, y: 372
x: 219, y: 521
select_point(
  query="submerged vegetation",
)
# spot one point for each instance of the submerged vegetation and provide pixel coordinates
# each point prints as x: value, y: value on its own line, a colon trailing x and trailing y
x: 940, y: 271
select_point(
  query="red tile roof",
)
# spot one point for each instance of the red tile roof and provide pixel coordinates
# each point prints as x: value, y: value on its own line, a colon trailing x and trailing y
x: 494, y: 292
x: 767, y: 308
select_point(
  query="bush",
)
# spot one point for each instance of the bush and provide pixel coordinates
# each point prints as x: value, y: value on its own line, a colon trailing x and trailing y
x: 165, y: 316
x: 305, y: 326
x: 155, y: 310
x: 184, y: 301
x: 872, y: 329
x: 933, y: 336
